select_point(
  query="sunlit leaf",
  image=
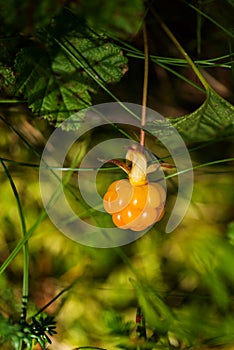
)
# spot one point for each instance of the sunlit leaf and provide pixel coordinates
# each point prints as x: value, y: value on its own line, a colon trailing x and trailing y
x: 58, y: 76
x: 50, y: 93
x: 213, y: 119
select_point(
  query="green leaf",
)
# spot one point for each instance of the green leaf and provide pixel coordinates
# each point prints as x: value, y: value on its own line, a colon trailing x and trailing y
x: 50, y: 94
x: 157, y: 314
x: 119, y: 17
x: 58, y: 75
x: 213, y: 119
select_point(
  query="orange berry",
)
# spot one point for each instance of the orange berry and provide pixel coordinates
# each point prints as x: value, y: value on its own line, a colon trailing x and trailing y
x: 134, y: 207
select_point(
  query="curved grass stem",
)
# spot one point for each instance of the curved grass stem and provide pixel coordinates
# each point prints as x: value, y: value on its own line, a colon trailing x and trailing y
x: 182, y: 51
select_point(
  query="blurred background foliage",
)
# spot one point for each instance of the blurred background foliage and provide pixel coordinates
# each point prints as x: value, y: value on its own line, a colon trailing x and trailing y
x: 184, y: 281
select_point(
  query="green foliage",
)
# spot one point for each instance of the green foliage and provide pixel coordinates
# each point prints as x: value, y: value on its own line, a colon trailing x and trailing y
x: 61, y: 64
x: 213, y: 119
x: 35, y: 331
x: 57, y: 78
x: 55, y: 60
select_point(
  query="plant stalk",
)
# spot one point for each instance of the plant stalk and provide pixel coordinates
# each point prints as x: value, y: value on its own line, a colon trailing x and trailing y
x: 145, y: 85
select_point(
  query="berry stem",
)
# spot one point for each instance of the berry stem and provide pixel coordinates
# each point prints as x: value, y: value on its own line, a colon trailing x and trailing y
x: 120, y: 164
x: 145, y: 85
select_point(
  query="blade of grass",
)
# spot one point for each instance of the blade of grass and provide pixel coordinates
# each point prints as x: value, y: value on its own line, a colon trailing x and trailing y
x: 24, y: 301
x: 15, y: 162
x: 180, y: 62
x: 16, y: 195
x: 12, y: 101
x: 22, y: 242
x: 190, y: 82
x: 30, y: 165
x: 215, y: 162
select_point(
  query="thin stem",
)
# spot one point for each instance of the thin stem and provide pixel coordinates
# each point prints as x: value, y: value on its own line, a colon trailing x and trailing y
x: 182, y: 51
x: 220, y: 161
x: 52, y: 300
x: 145, y: 85
x: 20, y: 210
